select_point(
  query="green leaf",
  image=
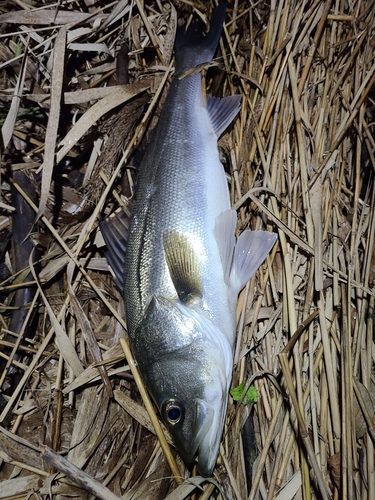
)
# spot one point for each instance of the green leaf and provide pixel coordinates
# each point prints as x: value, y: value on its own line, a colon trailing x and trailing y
x: 250, y: 397
x: 237, y: 392
x: 19, y: 49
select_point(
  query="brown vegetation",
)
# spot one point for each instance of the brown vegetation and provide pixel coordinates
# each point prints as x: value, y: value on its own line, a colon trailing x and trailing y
x: 301, y: 159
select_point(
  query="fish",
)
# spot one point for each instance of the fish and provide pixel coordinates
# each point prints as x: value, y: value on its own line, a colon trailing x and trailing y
x: 180, y: 265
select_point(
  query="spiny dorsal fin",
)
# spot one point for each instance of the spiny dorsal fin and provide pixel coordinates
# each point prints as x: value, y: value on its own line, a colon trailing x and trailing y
x: 115, y: 233
x: 222, y: 111
x: 183, y: 265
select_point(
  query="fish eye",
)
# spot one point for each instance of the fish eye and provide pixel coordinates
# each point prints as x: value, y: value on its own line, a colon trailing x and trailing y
x: 173, y: 412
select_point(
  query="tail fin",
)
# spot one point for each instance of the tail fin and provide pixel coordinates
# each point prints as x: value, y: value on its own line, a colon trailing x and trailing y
x: 193, y: 47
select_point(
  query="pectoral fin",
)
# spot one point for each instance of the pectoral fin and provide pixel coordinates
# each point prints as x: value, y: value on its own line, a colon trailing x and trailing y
x: 183, y: 265
x: 115, y: 233
x: 251, y: 249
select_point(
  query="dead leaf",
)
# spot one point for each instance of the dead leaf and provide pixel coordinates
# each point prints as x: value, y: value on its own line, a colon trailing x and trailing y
x: 92, y: 115
x: 54, y: 118
x: 360, y: 421
x: 44, y: 17
x: 8, y: 126
x: 19, y: 486
x: 334, y: 463
x: 90, y: 339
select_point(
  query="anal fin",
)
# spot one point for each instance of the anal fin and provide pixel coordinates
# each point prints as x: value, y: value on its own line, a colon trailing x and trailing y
x: 251, y: 249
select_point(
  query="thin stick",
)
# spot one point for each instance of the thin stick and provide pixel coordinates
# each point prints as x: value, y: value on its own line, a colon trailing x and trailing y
x: 302, y: 427
x: 77, y: 475
x: 150, y: 409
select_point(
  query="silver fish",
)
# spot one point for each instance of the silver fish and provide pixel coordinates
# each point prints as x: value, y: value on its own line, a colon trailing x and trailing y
x: 183, y: 268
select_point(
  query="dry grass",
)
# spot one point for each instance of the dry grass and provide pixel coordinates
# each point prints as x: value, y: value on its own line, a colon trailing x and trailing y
x: 301, y: 158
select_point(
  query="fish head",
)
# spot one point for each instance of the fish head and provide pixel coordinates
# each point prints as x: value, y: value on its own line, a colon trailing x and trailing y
x: 187, y: 367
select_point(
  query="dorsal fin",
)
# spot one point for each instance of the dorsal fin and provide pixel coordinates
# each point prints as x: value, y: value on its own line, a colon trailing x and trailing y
x: 222, y: 111
x: 183, y: 265
x: 115, y: 233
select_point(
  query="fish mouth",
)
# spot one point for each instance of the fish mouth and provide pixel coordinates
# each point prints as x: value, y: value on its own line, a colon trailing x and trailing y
x: 208, y: 431
x: 202, y: 440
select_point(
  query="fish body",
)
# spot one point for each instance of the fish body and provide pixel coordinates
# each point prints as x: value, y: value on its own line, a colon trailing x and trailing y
x: 183, y: 269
